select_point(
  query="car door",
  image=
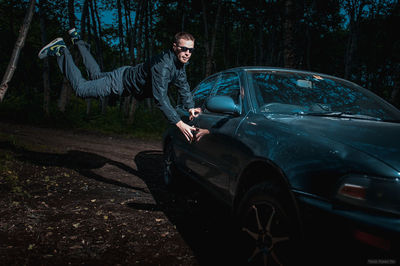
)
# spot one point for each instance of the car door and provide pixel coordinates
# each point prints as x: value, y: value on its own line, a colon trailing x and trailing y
x: 186, y: 154
x: 215, y: 150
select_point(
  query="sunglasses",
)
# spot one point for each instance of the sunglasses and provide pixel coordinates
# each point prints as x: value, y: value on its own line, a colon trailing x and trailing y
x: 184, y: 49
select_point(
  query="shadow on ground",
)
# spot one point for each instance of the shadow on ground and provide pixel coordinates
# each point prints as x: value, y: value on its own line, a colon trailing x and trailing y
x: 203, y: 223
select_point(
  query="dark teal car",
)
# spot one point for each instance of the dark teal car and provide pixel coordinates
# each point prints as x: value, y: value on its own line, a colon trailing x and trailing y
x: 283, y: 141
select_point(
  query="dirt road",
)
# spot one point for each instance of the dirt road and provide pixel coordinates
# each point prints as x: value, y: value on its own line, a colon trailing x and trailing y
x: 81, y: 198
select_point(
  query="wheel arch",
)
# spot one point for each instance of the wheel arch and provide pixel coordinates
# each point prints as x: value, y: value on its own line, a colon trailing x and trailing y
x: 264, y: 171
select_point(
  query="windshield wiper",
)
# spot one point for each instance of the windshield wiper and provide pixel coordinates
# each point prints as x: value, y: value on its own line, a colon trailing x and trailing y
x: 341, y: 115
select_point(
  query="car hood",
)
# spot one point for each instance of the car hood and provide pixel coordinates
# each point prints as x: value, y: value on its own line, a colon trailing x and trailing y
x: 377, y: 139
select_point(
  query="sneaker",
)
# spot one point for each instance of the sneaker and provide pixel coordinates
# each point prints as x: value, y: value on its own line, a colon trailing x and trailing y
x: 52, y: 49
x: 73, y: 33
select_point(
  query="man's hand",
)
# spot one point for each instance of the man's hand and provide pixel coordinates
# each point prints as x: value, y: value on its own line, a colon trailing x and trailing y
x: 201, y: 132
x: 194, y: 112
x: 186, y: 130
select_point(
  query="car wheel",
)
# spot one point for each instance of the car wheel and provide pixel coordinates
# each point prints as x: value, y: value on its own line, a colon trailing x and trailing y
x: 171, y: 174
x: 267, y: 230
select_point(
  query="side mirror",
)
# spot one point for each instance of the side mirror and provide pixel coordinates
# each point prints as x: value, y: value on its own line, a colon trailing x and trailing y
x: 222, y: 104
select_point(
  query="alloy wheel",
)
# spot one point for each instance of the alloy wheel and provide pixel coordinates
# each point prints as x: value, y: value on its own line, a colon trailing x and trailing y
x: 267, y: 234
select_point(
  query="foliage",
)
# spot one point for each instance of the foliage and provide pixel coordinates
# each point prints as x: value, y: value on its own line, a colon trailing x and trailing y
x: 147, y: 123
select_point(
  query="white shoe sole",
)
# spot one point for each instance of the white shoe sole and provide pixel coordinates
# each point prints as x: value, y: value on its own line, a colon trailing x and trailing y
x: 47, y: 46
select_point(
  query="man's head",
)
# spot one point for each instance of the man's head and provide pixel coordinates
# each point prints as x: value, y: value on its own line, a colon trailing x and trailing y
x: 183, y: 46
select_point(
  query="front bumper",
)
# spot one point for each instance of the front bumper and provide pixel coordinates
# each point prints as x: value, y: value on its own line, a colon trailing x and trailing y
x: 378, y: 230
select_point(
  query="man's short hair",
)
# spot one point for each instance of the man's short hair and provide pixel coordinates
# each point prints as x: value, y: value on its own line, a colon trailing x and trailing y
x: 183, y: 35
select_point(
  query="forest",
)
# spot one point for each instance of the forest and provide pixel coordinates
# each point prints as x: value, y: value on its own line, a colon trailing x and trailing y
x: 355, y: 40
x: 82, y: 180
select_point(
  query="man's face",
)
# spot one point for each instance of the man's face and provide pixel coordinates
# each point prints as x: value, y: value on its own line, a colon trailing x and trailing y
x: 183, y: 50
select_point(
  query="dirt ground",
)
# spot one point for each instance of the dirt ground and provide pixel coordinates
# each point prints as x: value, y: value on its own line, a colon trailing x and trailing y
x: 79, y: 198
x: 70, y: 198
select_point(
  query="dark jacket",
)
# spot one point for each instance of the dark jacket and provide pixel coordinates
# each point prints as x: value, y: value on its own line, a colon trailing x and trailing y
x: 152, y: 79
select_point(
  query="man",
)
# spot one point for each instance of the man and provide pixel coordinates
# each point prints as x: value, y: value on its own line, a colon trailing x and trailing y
x: 149, y: 79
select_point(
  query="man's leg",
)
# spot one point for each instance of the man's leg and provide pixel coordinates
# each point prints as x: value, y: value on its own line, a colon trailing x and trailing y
x: 82, y: 87
x: 93, y: 68
x: 90, y: 63
x: 88, y: 60
x: 106, y: 83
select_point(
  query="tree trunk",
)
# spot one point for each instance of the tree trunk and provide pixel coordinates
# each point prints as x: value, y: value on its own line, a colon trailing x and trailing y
x: 96, y: 36
x: 139, y: 36
x: 84, y: 17
x: 350, y: 50
x: 134, y: 58
x: 354, y: 10
x: 210, y: 40
x: 239, y: 46
x: 260, y: 46
x: 99, y: 52
x: 46, y: 79
x: 147, y: 21
x: 132, y: 109
x: 71, y: 14
x: 17, y: 49
x: 289, y: 54
x: 182, y: 13
x: 120, y: 33
x: 66, y: 88
x: 64, y: 96
x: 88, y: 105
x: 128, y: 27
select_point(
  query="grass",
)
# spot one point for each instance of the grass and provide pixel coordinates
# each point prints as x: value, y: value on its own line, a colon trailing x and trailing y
x: 147, y: 123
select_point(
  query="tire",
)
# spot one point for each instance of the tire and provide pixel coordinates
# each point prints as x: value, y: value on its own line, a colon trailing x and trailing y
x: 171, y: 174
x: 268, y: 231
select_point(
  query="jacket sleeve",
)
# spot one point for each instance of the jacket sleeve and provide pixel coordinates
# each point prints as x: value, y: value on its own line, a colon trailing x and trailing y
x: 184, y: 90
x: 160, y: 79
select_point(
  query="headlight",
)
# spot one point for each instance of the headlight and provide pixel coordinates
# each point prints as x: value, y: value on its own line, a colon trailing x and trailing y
x: 370, y: 192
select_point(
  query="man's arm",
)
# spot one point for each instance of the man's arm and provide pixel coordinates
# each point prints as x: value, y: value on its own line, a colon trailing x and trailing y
x: 186, y: 95
x: 160, y: 79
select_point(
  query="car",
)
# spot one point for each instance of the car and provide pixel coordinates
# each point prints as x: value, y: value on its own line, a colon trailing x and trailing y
x: 280, y: 144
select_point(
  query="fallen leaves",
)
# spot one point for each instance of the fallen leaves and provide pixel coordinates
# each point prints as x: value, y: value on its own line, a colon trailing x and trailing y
x: 70, y: 216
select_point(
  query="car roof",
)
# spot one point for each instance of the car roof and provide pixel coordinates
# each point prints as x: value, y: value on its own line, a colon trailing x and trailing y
x: 255, y: 68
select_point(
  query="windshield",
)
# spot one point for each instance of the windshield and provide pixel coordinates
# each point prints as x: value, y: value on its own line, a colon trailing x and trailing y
x: 288, y: 92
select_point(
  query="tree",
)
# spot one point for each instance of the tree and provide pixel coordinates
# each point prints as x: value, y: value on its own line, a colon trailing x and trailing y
x: 46, y: 68
x: 289, y: 35
x: 66, y: 87
x: 354, y: 10
x: 17, y: 50
x: 210, y: 38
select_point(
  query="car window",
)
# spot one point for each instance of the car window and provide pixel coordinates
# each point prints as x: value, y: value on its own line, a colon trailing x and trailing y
x: 203, y: 90
x: 229, y: 85
x: 312, y: 93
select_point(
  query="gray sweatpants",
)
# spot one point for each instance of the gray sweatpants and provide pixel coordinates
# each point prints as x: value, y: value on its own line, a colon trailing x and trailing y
x: 101, y: 83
